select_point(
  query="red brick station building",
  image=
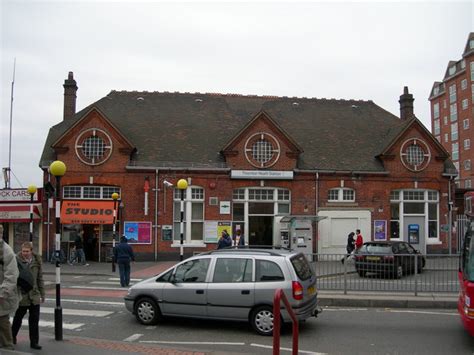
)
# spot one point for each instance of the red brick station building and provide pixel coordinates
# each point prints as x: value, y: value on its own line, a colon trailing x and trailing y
x: 299, y: 172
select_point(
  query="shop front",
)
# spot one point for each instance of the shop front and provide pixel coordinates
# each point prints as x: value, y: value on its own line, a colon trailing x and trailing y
x: 18, y: 210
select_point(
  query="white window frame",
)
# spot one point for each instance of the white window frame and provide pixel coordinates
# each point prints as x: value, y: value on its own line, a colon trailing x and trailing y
x: 436, y: 110
x: 436, y: 127
x: 467, y: 164
x: 192, y: 195
x: 453, y: 112
x: 467, y: 144
x: 455, y: 151
x: 465, y: 123
x: 463, y: 84
x: 81, y: 192
x: 341, y: 194
x: 454, y: 131
x: 465, y: 104
x: 446, y: 138
x: 452, y: 93
x: 467, y: 183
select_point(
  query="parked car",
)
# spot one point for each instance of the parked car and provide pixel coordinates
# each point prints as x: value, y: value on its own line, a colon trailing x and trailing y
x: 228, y: 284
x: 388, y: 257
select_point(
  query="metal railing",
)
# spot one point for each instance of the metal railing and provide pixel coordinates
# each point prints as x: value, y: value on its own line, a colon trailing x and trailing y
x: 438, y: 274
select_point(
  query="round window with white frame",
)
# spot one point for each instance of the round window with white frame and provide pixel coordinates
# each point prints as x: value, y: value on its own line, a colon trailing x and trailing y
x: 93, y: 146
x: 262, y: 150
x: 415, y: 154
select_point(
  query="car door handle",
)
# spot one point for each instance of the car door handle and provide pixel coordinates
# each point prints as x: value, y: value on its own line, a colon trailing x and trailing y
x: 245, y: 292
x: 200, y: 292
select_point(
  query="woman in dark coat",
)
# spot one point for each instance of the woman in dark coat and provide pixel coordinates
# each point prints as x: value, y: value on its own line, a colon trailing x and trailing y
x: 350, y: 246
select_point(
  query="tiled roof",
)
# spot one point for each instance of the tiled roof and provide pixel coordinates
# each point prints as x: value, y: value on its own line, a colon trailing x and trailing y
x: 190, y: 129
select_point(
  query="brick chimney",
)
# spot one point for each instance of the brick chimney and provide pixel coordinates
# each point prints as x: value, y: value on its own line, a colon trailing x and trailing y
x: 70, y: 89
x: 406, y: 105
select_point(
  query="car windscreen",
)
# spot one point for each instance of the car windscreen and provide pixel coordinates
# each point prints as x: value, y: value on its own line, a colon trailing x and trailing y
x: 302, y: 268
x: 376, y: 249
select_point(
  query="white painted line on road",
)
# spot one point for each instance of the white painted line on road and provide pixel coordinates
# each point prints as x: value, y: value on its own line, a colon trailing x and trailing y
x: 118, y: 279
x: 86, y: 301
x: 190, y: 342
x: 48, y: 324
x: 78, y: 312
x: 105, y: 282
x: 133, y: 337
x: 98, y: 288
x: 286, y: 349
x: 337, y: 309
x: 419, y: 312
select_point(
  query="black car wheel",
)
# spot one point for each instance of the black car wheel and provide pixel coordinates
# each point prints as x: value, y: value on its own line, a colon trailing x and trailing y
x: 261, y: 320
x: 147, y: 311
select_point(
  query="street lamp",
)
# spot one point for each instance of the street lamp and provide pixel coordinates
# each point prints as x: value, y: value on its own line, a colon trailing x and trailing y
x: 31, y: 190
x: 182, y: 186
x: 115, y: 197
x: 58, y: 169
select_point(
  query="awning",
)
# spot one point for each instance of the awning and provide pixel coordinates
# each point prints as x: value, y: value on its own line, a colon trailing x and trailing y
x: 19, y: 212
x: 301, y: 217
x: 87, y: 212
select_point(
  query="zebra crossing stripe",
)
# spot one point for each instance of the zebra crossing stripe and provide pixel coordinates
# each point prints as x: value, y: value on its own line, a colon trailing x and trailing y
x: 78, y: 312
x: 50, y: 324
x: 133, y: 337
x: 118, y: 279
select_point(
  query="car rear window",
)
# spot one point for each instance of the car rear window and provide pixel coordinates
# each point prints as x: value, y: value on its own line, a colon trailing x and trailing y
x: 302, y: 268
x: 377, y: 248
x: 268, y: 271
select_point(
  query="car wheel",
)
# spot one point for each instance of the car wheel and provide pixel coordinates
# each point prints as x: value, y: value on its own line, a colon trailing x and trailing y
x: 147, y: 311
x: 262, y: 320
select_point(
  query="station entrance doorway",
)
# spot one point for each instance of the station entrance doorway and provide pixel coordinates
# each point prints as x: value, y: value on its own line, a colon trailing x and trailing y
x: 260, y: 230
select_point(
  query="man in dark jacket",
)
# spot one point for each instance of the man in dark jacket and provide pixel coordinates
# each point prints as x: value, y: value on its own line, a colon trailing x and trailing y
x: 123, y: 254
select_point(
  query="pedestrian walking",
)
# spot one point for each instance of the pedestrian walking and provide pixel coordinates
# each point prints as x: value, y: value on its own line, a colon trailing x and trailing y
x: 9, y: 293
x: 31, y: 300
x: 239, y: 239
x: 79, y: 244
x: 224, y: 241
x: 123, y: 254
x: 359, y: 240
x: 349, y: 247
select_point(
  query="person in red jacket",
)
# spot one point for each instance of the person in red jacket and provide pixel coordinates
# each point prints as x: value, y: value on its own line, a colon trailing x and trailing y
x: 359, y: 240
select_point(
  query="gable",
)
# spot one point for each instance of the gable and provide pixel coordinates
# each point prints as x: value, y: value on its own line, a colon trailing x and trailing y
x: 92, y: 140
x: 262, y: 144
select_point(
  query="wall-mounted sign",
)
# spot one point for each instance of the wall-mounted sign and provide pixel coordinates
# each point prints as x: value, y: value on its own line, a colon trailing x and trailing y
x: 224, y: 207
x: 10, y: 195
x: 167, y: 232
x: 210, y: 231
x: 380, y: 230
x: 137, y: 232
x: 262, y: 174
x: 87, y: 212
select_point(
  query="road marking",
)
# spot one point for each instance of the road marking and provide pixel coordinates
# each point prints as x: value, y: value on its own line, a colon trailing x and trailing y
x: 133, y: 337
x: 78, y: 312
x: 118, y: 279
x: 287, y: 349
x: 190, y: 342
x: 48, y: 324
x: 419, y: 312
x: 97, y: 288
x: 336, y: 309
x: 86, y: 301
x: 103, y: 283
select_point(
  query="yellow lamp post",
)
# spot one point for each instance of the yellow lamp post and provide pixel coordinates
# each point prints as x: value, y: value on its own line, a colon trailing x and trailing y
x: 115, y: 197
x: 182, y: 186
x: 58, y: 169
x: 31, y: 190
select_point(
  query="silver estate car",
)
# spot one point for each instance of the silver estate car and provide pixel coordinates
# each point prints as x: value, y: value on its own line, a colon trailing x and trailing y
x: 228, y: 284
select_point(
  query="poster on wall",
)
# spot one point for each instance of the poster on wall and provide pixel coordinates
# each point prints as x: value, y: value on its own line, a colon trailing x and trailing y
x: 210, y: 232
x: 137, y: 232
x: 380, y: 230
x: 224, y: 226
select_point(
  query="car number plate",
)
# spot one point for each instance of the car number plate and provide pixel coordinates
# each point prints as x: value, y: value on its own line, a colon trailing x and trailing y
x: 373, y: 258
x: 311, y: 290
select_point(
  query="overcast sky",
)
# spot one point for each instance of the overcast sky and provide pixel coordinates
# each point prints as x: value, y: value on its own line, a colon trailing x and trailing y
x: 346, y: 50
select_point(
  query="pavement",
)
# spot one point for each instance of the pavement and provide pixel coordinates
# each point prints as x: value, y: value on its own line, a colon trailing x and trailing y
x: 76, y: 345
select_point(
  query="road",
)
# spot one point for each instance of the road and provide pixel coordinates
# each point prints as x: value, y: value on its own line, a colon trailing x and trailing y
x: 93, y: 307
